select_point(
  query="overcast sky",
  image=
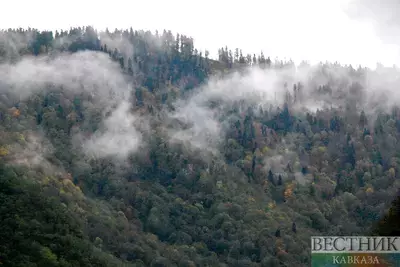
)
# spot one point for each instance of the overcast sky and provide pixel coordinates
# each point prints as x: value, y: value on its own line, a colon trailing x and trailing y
x: 314, y: 30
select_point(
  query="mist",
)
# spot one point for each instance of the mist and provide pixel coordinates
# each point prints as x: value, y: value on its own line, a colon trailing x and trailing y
x: 201, y: 119
x: 205, y: 119
x: 35, y: 151
x: 118, y: 136
x: 13, y: 43
x: 204, y: 112
x: 90, y: 72
x: 286, y: 161
x: 119, y: 42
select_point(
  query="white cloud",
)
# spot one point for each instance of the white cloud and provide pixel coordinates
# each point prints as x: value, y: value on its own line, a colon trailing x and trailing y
x: 119, y: 137
x: 90, y: 72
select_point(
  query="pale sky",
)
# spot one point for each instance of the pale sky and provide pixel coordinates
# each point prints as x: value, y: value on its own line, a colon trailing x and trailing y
x: 313, y: 30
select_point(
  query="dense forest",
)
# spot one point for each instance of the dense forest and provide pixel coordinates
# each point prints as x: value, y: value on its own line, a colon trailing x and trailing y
x: 133, y: 148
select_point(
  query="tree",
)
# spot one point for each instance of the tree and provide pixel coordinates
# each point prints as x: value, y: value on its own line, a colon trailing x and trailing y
x: 278, y: 233
x: 173, y: 200
x: 130, y: 66
x: 271, y: 177
x: 280, y: 180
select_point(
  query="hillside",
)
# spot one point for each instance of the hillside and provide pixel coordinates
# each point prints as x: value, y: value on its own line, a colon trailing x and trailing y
x: 131, y: 148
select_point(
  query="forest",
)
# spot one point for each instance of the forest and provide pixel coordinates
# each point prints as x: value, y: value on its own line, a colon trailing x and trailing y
x: 133, y: 148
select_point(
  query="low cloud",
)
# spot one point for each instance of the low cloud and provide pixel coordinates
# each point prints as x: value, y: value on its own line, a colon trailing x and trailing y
x: 92, y: 73
x: 12, y: 43
x: 118, y: 137
x: 117, y: 41
x: 35, y: 152
x: 204, y: 114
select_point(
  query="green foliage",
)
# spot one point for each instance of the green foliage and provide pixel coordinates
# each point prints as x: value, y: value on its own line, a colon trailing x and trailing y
x: 37, y: 228
x: 168, y: 205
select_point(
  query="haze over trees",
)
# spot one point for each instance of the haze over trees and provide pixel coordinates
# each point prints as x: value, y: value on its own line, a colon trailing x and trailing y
x: 132, y: 148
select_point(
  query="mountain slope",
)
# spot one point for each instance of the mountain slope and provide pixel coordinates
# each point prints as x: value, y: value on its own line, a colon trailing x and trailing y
x: 135, y: 149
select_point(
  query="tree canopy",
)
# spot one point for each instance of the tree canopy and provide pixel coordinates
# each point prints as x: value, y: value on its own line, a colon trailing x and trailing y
x: 132, y: 148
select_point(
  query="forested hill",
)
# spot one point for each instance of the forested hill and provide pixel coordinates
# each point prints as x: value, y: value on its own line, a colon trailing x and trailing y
x: 132, y: 148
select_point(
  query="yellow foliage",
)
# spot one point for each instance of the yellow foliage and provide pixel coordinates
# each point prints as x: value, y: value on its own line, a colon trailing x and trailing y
x: 281, y: 218
x: 248, y: 158
x: 369, y: 190
x: 392, y: 172
x: 279, y: 244
x: 271, y: 205
x: 265, y: 149
x: 289, y: 190
x: 251, y: 199
x: 178, y: 199
x: 3, y: 151
x: 68, y: 176
x: 20, y: 137
x: 199, y: 246
x: 15, y: 112
x: 46, y: 180
x: 152, y: 237
x: 322, y: 149
x: 204, y: 176
x: 67, y: 182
